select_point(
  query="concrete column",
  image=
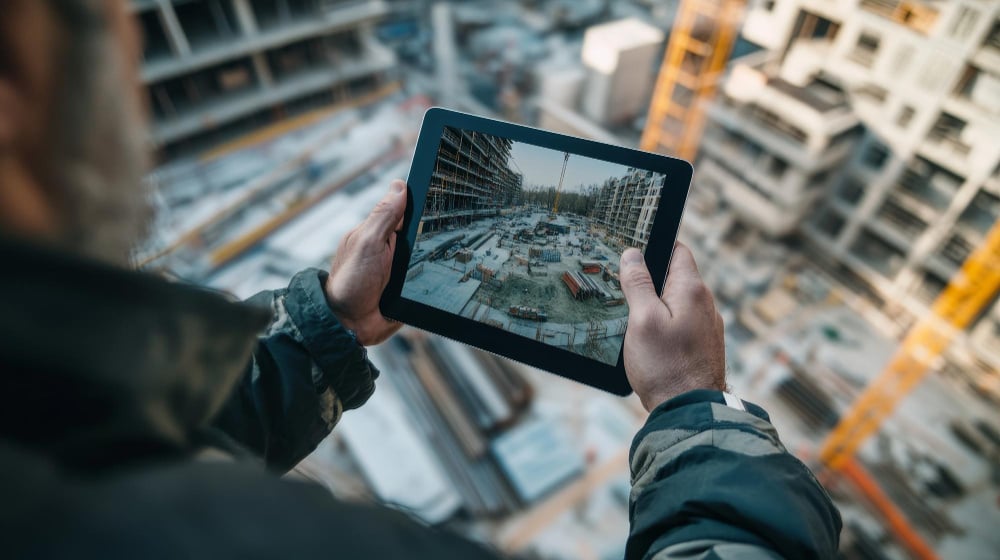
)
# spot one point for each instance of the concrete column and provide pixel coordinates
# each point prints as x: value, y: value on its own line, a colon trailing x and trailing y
x: 444, y: 53
x: 263, y: 69
x: 175, y: 34
x: 244, y: 14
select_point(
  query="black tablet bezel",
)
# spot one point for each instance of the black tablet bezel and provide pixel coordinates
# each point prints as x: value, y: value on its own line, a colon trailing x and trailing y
x: 516, y: 347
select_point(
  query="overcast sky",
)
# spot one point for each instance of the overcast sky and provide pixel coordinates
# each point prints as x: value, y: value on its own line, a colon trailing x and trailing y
x: 541, y: 166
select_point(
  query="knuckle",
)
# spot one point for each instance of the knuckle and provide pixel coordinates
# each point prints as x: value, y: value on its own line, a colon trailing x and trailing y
x: 381, y: 209
x: 701, y: 295
x: 637, y: 278
x: 644, y: 321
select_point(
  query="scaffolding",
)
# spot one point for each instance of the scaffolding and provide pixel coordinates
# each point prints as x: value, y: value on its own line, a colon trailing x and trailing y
x: 472, y: 179
x: 625, y: 207
x: 596, y: 332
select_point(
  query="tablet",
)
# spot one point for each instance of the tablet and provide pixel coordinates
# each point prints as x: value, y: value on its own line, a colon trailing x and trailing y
x: 512, y: 238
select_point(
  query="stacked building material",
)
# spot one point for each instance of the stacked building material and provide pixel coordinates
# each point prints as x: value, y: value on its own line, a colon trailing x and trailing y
x: 555, y: 228
x: 422, y: 487
x: 927, y: 515
x: 537, y: 457
x: 457, y: 442
x: 483, y: 273
x: 807, y: 398
x: 443, y: 248
x: 508, y: 379
x: 590, y: 267
x: 551, y: 255
x: 472, y: 385
x: 475, y: 240
x: 482, y: 241
x: 463, y: 256
x: 583, y: 287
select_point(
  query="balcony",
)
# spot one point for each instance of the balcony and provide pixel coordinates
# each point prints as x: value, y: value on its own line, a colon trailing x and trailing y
x: 981, y: 214
x: 896, y: 216
x: 876, y: 254
x: 340, y: 16
x: 918, y: 16
x: 228, y: 107
x: 801, y: 124
x: 929, y: 184
x: 980, y: 89
x: 930, y: 286
x: 956, y: 250
x: 755, y: 204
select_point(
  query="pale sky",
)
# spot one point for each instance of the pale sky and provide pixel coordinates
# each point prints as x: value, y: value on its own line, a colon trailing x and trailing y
x: 541, y: 166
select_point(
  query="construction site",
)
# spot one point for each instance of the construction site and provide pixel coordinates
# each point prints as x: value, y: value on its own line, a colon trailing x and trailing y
x: 490, y: 251
x: 844, y: 213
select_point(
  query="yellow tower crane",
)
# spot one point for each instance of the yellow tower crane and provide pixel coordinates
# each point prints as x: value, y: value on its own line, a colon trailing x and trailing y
x: 562, y: 176
x: 700, y: 42
x: 972, y: 288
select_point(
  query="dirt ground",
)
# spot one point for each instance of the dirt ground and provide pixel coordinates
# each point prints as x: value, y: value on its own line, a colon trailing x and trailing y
x: 550, y: 292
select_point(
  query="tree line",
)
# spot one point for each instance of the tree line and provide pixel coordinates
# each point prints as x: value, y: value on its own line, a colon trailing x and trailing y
x: 581, y: 203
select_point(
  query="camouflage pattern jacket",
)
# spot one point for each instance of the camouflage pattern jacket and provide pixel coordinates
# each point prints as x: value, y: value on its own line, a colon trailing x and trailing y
x: 127, y: 399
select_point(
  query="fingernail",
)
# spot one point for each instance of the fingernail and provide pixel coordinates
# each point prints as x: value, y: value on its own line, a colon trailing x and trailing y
x: 632, y: 256
x: 397, y: 187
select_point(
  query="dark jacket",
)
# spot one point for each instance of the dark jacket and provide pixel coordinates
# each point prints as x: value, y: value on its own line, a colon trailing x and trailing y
x: 125, y: 399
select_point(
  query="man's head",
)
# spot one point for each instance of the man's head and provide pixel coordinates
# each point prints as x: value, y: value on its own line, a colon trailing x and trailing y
x: 72, y: 136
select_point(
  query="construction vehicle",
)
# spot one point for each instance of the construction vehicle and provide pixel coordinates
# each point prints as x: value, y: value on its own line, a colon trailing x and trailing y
x: 529, y: 313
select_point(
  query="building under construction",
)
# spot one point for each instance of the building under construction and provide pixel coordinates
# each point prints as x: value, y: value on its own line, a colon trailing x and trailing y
x: 625, y: 207
x: 472, y: 179
x: 216, y: 70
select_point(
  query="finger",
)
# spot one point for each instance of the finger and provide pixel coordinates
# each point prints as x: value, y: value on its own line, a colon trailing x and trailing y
x: 636, y: 283
x: 388, y: 213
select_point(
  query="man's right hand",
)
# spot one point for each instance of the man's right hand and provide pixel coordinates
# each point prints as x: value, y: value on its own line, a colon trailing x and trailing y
x: 674, y: 343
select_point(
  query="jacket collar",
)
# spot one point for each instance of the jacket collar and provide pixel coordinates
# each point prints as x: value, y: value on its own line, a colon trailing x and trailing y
x: 95, y: 359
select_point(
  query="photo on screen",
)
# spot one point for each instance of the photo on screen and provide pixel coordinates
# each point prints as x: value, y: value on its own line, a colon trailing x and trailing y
x: 527, y: 239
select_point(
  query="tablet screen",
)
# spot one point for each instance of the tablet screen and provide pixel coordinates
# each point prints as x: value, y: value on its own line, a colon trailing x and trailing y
x: 527, y: 239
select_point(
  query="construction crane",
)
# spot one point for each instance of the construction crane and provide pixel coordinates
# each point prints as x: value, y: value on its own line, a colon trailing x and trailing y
x: 555, y: 205
x: 970, y: 290
x: 700, y: 43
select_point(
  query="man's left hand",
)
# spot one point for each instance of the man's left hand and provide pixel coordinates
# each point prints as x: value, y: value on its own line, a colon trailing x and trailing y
x: 361, y: 268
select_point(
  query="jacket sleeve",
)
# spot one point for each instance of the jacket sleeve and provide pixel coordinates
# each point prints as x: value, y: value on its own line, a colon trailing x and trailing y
x: 713, y: 481
x: 306, y: 370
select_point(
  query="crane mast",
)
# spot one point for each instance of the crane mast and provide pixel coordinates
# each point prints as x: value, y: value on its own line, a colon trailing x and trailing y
x: 562, y: 176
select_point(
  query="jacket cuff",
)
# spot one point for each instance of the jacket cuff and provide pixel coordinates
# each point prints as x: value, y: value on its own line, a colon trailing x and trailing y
x: 692, y: 413
x: 342, y: 361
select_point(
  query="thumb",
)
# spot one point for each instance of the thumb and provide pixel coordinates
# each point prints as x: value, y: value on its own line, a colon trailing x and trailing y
x: 683, y: 278
x: 637, y: 285
x: 388, y: 213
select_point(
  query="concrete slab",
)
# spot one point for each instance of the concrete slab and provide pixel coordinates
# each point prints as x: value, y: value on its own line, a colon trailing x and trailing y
x: 439, y: 286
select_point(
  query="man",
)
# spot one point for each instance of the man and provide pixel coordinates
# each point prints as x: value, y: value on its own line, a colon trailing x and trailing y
x: 135, y: 410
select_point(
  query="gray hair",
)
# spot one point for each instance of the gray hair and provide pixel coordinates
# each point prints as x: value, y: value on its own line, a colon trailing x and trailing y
x: 97, y: 155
